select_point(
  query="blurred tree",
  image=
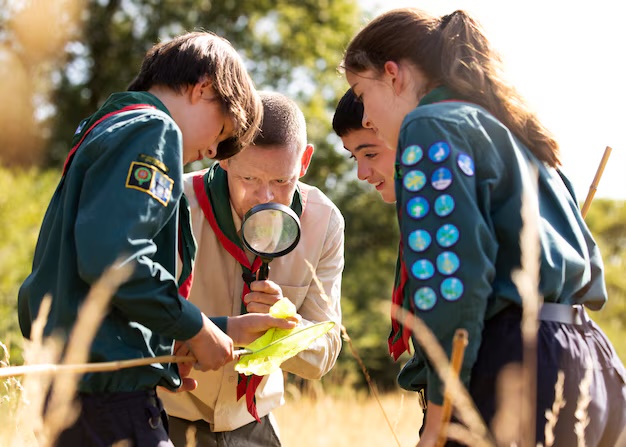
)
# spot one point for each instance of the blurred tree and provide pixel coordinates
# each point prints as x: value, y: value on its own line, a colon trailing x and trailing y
x: 291, y: 47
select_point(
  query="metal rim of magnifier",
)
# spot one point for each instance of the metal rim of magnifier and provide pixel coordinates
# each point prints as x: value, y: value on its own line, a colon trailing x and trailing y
x: 271, y: 206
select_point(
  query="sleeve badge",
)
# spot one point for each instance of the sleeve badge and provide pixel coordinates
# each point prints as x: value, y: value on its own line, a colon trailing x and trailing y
x: 146, y: 178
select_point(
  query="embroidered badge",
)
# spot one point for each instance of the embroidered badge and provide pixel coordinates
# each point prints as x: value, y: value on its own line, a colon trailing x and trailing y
x: 451, y: 289
x: 412, y: 155
x: 425, y: 298
x: 414, y: 180
x: 423, y: 269
x: 81, y: 126
x: 154, y: 162
x: 444, y: 205
x: 417, y: 207
x: 447, y: 235
x: 448, y: 263
x: 466, y: 164
x: 438, y: 152
x: 441, y: 179
x: 148, y: 179
x: 419, y: 240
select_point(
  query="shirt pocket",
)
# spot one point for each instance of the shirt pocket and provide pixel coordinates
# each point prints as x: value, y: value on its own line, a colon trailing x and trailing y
x: 295, y: 294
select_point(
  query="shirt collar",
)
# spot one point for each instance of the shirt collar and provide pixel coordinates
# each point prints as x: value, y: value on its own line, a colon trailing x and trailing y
x: 438, y: 94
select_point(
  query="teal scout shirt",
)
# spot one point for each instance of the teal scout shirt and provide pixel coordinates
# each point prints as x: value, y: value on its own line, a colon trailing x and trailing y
x: 119, y: 199
x: 459, y: 183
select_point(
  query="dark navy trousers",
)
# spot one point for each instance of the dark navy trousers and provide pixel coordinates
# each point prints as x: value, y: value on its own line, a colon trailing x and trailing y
x: 566, y: 347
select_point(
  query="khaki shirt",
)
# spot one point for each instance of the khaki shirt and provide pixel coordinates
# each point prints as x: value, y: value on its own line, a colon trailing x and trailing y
x: 217, y: 288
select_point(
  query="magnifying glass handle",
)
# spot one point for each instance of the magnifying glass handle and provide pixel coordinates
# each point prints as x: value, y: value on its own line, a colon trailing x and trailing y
x: 264, y: 271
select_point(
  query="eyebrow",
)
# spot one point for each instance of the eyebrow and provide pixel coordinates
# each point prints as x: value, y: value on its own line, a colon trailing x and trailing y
x: 360, y: 147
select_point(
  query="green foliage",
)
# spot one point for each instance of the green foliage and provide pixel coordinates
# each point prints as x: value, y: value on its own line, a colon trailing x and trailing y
x: 291, y: 47
x: 607, y: 221
x: 22, y: 208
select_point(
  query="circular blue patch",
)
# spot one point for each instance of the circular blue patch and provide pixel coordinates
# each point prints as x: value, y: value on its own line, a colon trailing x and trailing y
x: 466, y: 164
x: 451, y: 289
x: 441, y: 179
x: 448, y: 263
x: 423, y: 269
x: 444, y: 205
x: 414, y: 180
x: 447, y: 235
x: 419, y: 240
x: 417, y: 207
x: 412, y: 155
x: 425, y: 298
x: 438, y: 152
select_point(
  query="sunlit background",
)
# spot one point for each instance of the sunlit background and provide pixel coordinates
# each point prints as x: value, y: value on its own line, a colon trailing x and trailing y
x: 567, y: 59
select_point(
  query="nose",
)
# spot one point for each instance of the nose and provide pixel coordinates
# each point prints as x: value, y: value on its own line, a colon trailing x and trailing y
x: 362, y: 171
x: 366, y: 122
x: 264, y: 194
x: 211, y: 151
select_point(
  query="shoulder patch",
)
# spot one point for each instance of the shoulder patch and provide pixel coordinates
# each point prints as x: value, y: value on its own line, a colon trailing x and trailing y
x: 146, y: 178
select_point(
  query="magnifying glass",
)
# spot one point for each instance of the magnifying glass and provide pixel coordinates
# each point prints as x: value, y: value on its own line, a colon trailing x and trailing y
x: 270, y: 230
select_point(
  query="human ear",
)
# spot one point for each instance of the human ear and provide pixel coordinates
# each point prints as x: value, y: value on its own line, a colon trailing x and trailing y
x: 224, y: 164
x: 395, y: 76
x: 306, y: 159
x: 202, y: 90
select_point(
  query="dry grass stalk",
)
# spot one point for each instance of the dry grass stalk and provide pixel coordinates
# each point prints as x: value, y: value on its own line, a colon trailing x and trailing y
x: 466, y: 410
x: 581, y: 415
x: 63, y: 386
x: 190, y: 436
x: 552, y: 415
x: 370, y: 384
x: 347, y: 338
x: 527, y: 281
x: 506, y: 425
x: 398, y: 414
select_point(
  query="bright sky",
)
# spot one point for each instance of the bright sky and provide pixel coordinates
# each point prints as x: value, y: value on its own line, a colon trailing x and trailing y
x: 568, y: 59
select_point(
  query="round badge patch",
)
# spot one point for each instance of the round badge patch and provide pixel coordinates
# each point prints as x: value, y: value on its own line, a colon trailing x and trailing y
x: 419, y: 240
x: 423, y: 269
x: 425, y: 298
x: 414, y: 180
x: 451, y: 289
x: 448, y: 263
x: 466, y: 164
x: 438, y: 152
x: 441, y: 179
x: 417, y: 207
x: 412, y: 155
x: 444, y: 205
x: 447, y: 235
x: 143, y: 175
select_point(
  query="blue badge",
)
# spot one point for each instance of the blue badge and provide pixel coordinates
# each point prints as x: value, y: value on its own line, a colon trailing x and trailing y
x: 466, y: 164
x: 451, y: 289
x: 447, y: 235
x: 412, y: 155
x: 417, y: 207
x: 441, y: 179
x: 444, y: 205
x: 419, y: 240
x: 425, y: 298
x: 438, y: 152
x: 414, y: 180
x: 448, y: 263
x: 423, y: 269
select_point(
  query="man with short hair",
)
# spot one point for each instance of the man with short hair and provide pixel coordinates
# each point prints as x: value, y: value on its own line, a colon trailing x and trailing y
x: 224, y: 406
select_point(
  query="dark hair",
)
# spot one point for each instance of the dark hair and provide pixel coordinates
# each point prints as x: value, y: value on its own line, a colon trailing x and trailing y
x: 283, y: 122
x: 453, y: 51
x: 348, y: 114
x: 186, y: 60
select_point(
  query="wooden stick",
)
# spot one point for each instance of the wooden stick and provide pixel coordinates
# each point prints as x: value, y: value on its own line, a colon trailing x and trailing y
x: 458, y: 351
x: 47, y: 368
x: 594, y: 185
